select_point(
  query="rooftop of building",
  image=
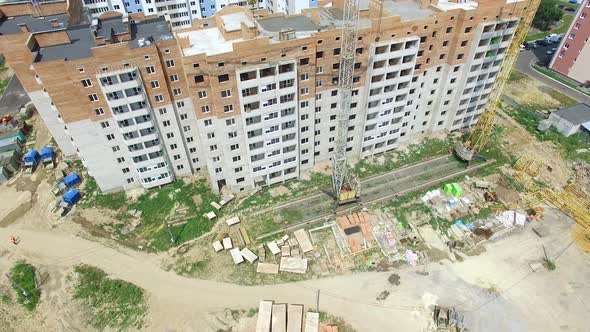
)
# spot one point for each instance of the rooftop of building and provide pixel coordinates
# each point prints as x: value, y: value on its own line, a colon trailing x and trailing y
x: 577, y: 114
x: 110, y: 26
x: 407, y: 9
x: 464, y: 4
x: 212, y: 38
x: 209, y: 41
x: 233, y: 22
x: 12, y: 25
x: 82, y: 38
x: 81, y: 41
x: 279, y: 23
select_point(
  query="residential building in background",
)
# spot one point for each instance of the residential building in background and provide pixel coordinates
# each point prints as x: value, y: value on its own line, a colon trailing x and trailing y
x: 248, y: 97
x: 572, y: 58
x: 182, y: 12
x: 290, y: 7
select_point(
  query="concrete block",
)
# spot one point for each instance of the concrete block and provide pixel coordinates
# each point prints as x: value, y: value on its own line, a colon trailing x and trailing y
x: 294, y: 318
x: 267, y: 268
x: 279, y: 318
x: 264, y: 316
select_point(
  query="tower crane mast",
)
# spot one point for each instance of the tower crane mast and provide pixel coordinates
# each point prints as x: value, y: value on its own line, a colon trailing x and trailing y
x: 483, y: 129
x: 346, y: 184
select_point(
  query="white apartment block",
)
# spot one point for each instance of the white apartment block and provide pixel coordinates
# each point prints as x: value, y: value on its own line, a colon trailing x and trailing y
x: 253, y: 101
x: 181, y: 13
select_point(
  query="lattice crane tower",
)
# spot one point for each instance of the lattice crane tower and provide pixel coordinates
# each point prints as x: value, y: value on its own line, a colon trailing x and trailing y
x: 346, y: 184
x: 483, y: 129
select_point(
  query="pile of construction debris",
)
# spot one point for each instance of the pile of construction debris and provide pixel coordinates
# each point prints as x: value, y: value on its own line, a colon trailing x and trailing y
x: 217, y: 206
x: 357, y: 232
x: 447, y: 319
x: 285, y: 254
x: 396, y: 243
x: 354, y: 235
x: 465, y: 236
x: 457, y: 203
x: 582, y: 174
x: 240, y: 240
x: 282, y: 317
x: 289, y: 251
x: 452, y: 202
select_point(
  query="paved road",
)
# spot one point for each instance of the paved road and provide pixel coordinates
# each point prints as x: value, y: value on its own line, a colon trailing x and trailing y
x: 529, y: 57
x: 14, y: 97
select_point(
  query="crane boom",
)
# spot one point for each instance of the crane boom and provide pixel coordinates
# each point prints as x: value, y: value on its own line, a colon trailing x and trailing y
x: 483, y: 129
x: 346, y: 185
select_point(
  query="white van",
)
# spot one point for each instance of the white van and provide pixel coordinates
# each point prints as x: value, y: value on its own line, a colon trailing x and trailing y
x: 553, y: 38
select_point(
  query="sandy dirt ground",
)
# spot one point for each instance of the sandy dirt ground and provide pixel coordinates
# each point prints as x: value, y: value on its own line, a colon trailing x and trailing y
x: 555, y: 170
x: 541, y: 301
x: 527, y: 91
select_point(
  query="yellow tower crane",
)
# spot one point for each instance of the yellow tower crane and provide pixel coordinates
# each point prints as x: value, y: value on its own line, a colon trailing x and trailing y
x: 483, y: 129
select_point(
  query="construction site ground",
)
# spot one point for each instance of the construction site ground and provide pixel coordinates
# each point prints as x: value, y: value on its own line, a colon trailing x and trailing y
x: 493, y: 285
x: 496, y: 290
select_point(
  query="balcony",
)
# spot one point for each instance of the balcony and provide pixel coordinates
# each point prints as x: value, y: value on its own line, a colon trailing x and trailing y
x: 151, y: 163
x: 158, y: 182
x: 121, y: 86
x: 153, y: 171
x: 147, y: 150
x: 137, y: 127
x: 141, y: 139
x: 130, y: 114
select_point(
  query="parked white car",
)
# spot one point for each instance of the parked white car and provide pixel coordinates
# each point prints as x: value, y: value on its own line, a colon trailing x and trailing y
x: 553, y: 38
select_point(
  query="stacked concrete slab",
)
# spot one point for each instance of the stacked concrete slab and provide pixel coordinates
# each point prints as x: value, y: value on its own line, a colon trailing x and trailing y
x: 303, y: 240
x: 294, y: 318
x: 263, y: 322
x: 279, y: 318
x: 312, y: 322
x: 293, y: 265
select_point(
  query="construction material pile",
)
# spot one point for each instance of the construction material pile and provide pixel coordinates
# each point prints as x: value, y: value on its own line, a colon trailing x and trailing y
x: 357, y: 231
x: 286, y: 254
x: 283, y: 317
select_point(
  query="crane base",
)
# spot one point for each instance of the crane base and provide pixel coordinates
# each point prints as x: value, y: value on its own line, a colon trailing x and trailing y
x: 464, y: 153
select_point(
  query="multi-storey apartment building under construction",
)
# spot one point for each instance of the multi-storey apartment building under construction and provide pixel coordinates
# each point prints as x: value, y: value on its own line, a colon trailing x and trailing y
x: 247, y: 96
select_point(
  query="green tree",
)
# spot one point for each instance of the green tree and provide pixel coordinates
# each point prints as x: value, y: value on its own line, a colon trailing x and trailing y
x: 547, y: 14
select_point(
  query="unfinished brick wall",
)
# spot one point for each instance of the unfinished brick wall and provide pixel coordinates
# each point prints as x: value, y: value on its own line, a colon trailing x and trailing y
x: 44, y: 9
x: 46, y: 39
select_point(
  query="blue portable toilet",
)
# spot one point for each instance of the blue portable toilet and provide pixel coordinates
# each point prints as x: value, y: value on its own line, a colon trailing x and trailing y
x: 47, y: 154
x: 72, y: 180
x: 72, y: 197
x: 31, y: 158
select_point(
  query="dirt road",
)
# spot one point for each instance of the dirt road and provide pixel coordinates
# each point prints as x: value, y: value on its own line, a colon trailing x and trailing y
x: 177, y: 302
x: 541, y: 301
